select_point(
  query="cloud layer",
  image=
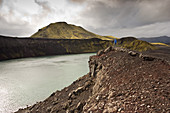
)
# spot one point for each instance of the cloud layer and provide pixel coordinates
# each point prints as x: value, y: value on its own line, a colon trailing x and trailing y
x: 105, y: 17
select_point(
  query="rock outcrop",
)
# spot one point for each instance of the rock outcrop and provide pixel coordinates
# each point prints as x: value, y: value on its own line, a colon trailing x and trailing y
x: 119, y: 80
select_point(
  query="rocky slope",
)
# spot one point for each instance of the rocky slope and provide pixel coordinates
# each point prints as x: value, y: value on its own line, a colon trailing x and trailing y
x: 119, y: 81
x: 62, y: 30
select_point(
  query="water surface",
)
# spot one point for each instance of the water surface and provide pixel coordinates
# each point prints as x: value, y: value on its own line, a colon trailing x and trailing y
x: 26, y: 81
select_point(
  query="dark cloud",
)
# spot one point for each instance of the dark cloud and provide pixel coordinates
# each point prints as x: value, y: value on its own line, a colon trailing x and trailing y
x: 45, y: 10
x: 1, y: 2
x: 14, y: 28
x: 112, y: 14
x: 10, y: 23
x: 45, y: 6
x: 13, y: 24
x: 105, y: 17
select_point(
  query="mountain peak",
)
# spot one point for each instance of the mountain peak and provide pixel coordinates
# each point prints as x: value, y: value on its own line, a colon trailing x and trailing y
x: 63, y: 30
x: 59, y: 23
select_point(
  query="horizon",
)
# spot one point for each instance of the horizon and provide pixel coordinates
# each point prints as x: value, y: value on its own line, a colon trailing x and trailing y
x: 119, y: 18
x: 86, y: 29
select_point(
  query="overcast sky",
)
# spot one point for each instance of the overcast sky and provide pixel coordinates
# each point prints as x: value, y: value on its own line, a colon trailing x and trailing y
x: 139, y: 18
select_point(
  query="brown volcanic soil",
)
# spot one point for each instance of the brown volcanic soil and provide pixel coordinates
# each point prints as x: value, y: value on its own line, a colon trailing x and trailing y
x: 118, y: 81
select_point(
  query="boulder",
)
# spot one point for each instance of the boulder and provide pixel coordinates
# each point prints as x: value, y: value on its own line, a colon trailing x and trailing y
x: 132, y: 53
x: 108, y: 49
x: 148, y: 58
x: 100, y: 52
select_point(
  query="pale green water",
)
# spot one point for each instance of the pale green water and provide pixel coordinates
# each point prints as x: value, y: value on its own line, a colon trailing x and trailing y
x: 26, y: 81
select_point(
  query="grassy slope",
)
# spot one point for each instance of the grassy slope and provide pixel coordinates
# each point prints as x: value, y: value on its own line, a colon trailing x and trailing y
x: 62, y: 30
x: 135, y: 44
x: 161, y: 44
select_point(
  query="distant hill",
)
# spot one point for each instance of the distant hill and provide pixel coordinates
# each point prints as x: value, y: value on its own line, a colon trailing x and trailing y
x: 135, y: 44
x: 62, y: 30
x: 161, y: 39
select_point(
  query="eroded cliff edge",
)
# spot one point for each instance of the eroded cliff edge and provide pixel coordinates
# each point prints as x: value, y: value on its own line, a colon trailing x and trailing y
x: 119, y: 81
x: 12, y: 48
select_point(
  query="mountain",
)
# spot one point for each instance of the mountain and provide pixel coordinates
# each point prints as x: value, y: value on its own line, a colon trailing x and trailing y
x: 62, y: 30
x: 119, y: 81
x: 161, y: 39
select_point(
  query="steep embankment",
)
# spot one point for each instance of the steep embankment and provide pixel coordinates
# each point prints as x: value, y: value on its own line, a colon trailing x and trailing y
x: 11, y: 48
x: 62, y: 30
x: 119, y: 81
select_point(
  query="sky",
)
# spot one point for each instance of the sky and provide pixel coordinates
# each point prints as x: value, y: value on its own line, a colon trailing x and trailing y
x: 119, y: 18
